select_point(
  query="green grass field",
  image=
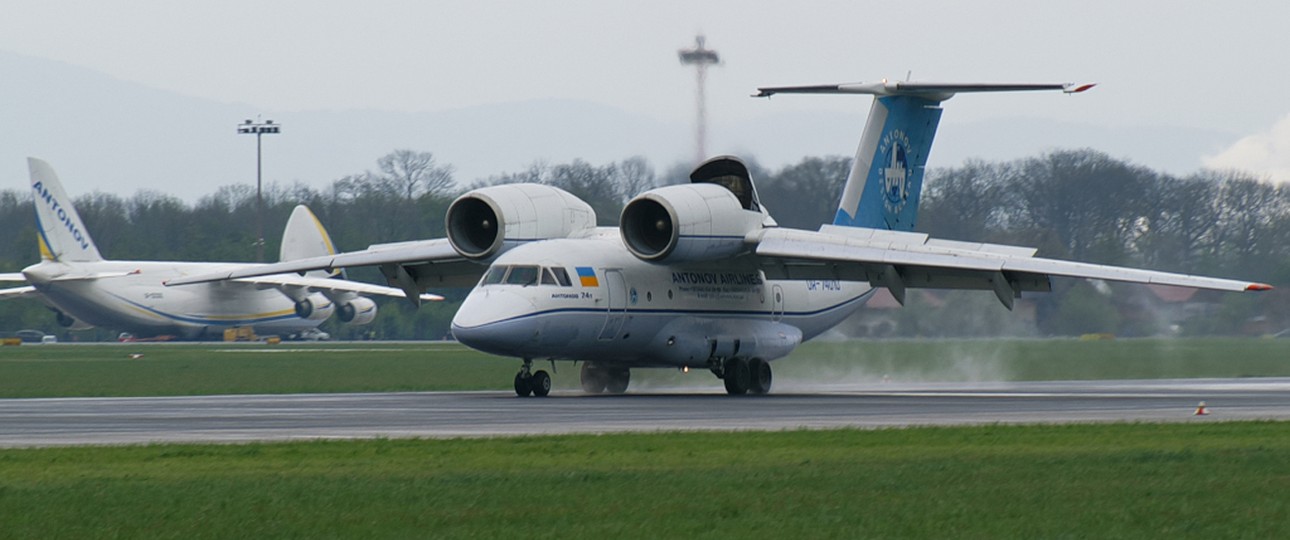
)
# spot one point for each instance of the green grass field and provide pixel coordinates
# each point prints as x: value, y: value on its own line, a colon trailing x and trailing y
x: 216, y: 368
x: 1212, y: 480
x: 1070, y: 481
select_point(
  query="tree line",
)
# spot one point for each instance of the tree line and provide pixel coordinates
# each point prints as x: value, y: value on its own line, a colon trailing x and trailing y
x: 1073, y: 204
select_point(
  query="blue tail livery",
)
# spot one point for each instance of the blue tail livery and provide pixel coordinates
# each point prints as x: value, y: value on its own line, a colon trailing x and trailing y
x: 886, y: 180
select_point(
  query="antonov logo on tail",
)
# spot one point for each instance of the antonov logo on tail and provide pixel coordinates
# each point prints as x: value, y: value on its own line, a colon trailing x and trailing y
x: 895, y: 181
x: 61, y: 214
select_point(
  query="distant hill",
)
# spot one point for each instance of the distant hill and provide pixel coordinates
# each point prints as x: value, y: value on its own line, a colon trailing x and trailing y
x: 105, y: 134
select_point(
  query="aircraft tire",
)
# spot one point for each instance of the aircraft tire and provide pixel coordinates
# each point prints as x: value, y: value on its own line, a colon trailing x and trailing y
x: 618, y: 380
x: 736, y: 376
x: 759, y: 376
x: 540, y: 384
x: 522, y: 386
x: 594, y: 379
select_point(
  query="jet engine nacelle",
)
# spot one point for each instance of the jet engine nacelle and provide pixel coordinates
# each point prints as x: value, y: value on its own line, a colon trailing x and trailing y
x: 486, y: 222
x: 315, y: 308
x: 358, y: 312
x: 687, y: 223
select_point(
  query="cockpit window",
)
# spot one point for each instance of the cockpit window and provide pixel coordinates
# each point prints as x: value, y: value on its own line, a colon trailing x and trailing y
x: 522, y: 275
x: 527, y: 275
x: 562, y: 276
x: 494, y: 275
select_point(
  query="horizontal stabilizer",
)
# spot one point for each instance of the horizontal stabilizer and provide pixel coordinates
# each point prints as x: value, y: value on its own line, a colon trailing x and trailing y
x: 926, y: 90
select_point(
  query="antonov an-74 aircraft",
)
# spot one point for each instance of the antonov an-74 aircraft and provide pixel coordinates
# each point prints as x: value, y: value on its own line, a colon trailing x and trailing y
x: 85, y: 290
x: 699, y: 275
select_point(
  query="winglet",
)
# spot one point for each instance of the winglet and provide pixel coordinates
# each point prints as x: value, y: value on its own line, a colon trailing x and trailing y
x: 1258, y: 287
x: 1077, y: 88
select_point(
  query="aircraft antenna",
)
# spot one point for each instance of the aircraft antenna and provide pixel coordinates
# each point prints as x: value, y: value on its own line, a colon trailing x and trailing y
x: 700, y: 57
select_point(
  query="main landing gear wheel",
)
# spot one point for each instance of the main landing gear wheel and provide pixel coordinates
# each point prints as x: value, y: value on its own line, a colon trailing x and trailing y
x: 618, y: 380
x: 594, y: 378
x: 759, y: 376
x: 735, y: 374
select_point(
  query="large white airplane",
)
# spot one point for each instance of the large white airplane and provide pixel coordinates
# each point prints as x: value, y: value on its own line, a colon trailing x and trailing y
x: 85, y: 290
x: 699, y: 275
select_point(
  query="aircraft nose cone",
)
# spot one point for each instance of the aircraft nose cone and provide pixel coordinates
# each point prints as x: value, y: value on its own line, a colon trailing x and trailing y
x: 497, y: 322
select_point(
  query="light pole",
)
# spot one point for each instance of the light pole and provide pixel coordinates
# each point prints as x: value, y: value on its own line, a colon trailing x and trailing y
x: 255, y: 128
x: 700, y: 57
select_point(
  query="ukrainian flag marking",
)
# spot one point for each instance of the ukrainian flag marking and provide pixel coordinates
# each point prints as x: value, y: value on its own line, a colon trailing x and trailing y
x: 587, y: 275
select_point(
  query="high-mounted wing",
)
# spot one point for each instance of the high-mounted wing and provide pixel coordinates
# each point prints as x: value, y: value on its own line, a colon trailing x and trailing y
x: 18, y: 292
x: 411, y: 266
x: 481, y: 224
x: 899, y: 260
x: 329, y: 285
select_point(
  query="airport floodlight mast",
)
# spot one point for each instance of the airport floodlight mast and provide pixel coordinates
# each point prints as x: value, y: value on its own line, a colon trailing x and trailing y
x: 256, y: 128
x: 700, y: 57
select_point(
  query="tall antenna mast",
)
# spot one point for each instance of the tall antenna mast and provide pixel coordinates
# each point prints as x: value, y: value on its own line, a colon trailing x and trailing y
x: 700, y: 57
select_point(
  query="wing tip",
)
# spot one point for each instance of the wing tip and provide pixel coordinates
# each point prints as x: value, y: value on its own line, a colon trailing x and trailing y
x: 1078, y: 88
x: 1258, y: 287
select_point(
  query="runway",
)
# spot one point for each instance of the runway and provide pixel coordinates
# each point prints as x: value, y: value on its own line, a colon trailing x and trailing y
x: 87, y: 421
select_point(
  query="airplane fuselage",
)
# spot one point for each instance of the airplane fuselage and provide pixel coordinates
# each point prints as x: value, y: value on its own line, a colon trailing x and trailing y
x: 619, y: 310
x: 130, y: 296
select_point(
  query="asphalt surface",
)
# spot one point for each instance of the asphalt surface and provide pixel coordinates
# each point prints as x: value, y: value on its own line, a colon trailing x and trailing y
x: 82, y: 421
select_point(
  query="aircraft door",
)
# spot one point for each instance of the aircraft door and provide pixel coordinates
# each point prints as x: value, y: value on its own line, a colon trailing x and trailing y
x: 777, y: 303
x: 616, y: 304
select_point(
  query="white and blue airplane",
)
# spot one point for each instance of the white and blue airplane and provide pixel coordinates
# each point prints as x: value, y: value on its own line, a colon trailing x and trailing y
x: 85, y: 290
x: 699, y: 275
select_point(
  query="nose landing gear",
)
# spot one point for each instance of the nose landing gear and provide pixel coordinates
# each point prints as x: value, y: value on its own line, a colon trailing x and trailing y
x: 529, y: 382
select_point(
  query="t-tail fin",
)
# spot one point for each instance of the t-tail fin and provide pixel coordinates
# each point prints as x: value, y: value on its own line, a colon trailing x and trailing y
x: 60, y: 232
x: 304, y: 237
x: 886, y: 180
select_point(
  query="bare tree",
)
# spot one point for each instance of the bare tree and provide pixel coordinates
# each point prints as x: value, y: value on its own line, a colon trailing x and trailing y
x: 416, y: 172
x: 635, y: 176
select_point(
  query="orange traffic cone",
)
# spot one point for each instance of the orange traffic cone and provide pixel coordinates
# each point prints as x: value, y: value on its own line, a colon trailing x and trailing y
x: 1200, y: 410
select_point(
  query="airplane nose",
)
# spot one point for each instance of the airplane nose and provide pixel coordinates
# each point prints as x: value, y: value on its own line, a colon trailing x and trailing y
x: 497, y: 322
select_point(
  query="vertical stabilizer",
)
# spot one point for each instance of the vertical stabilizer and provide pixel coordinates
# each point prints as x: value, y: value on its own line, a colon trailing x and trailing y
x: 886, y: 180
x: 60, y: 232
x: 305, y: 237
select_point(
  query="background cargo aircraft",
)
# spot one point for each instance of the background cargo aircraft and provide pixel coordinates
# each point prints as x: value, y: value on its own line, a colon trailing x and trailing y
x: 699, y: 275
x: 86, y: 290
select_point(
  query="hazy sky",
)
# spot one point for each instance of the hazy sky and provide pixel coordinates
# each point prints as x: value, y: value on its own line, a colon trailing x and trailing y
x: 1211, y: 65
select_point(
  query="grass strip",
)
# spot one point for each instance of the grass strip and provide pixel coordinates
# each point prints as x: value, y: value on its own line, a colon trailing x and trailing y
x: 1101, y: 481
